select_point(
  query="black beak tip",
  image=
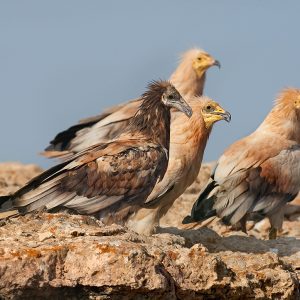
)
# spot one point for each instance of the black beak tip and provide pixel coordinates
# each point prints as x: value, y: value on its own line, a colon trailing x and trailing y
x: 228, y: 117
x: 217, y: 64
x: 189, y: 112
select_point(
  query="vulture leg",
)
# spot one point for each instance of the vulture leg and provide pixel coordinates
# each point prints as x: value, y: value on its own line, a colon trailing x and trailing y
x: 272, y: 233
x: 144, y: 221
x: 276, y: 221
x: 243, y: 223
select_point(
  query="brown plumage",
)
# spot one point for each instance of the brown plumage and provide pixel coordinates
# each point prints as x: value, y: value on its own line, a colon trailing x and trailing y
x: 188, y: 79
x: 259, y: 173
x: 112, y: 178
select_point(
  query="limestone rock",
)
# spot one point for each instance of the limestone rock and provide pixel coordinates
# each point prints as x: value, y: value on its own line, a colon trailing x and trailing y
x: 63, y: 256
x: 82, y: 258
x: 14, y: 175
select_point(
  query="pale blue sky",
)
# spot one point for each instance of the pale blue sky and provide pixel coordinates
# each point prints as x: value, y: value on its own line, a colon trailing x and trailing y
x: 64, y: 60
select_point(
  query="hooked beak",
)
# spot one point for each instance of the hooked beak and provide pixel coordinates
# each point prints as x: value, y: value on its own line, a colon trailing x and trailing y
x: 183, y: 107
x: 217, y: 64
x: 224, y: 114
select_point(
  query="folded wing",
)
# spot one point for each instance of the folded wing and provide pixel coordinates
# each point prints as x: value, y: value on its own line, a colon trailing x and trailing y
x: 245, y: 183
x: 91, y: 131
x: 110, y: 177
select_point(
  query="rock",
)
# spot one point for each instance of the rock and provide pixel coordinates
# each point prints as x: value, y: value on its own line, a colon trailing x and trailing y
x: 56, y: 256
x: 116, y: 263
x: 14, y: 175
x: 44, y: 236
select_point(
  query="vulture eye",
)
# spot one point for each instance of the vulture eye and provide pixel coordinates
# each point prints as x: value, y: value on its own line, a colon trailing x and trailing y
x: 199, y: 58
x: 208, y: 107
x: 170, y: 97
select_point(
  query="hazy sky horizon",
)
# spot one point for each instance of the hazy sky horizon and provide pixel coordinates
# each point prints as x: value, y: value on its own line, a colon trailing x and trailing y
x: 61, y: 61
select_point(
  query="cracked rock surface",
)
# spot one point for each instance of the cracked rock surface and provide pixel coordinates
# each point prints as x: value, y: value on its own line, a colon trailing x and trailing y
x: 63, y: 256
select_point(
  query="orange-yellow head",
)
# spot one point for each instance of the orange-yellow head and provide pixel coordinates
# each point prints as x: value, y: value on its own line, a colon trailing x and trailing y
x: 200, y: 60
x: 212, y: 112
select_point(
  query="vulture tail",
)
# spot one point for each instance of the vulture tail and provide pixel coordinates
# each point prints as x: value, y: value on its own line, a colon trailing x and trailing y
x: 43, y: 177
x: 8, y: 214
x: 203, y: 207
x: 7, y: 207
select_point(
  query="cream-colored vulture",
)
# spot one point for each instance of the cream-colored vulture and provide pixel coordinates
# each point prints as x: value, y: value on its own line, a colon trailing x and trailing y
x: 259, y: 173
x: 187, y: 145
x: 188, y: 79
x: 114, y: 178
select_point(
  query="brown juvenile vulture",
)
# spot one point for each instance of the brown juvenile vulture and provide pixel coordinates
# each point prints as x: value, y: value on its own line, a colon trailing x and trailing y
x: 258, y: 174
x: 114, y: 178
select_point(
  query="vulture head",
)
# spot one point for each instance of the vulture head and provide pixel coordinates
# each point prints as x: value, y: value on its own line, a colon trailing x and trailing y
x: 287, y: 107
x: 201, y: 61
x: 172, y: 98
x: 165, y: 92
x: 213, y: 112
x: 290, y: 98
x: 189, y: 76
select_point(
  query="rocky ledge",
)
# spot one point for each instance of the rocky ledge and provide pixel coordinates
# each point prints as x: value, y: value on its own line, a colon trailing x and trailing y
x: 62, y: 256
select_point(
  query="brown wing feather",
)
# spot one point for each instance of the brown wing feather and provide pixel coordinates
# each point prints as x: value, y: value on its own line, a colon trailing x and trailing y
x: 267, y: 187
x: 283, y: 170
x: 248, y: 180
x: 109, y: 178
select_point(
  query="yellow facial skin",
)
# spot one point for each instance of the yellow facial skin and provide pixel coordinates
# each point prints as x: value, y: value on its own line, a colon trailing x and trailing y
x: 213, y: 112
x: 202, y: 62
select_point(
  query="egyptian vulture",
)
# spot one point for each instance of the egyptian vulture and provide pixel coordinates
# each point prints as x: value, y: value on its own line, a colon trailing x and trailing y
x: 258, y: 174
x: 187, y: 145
